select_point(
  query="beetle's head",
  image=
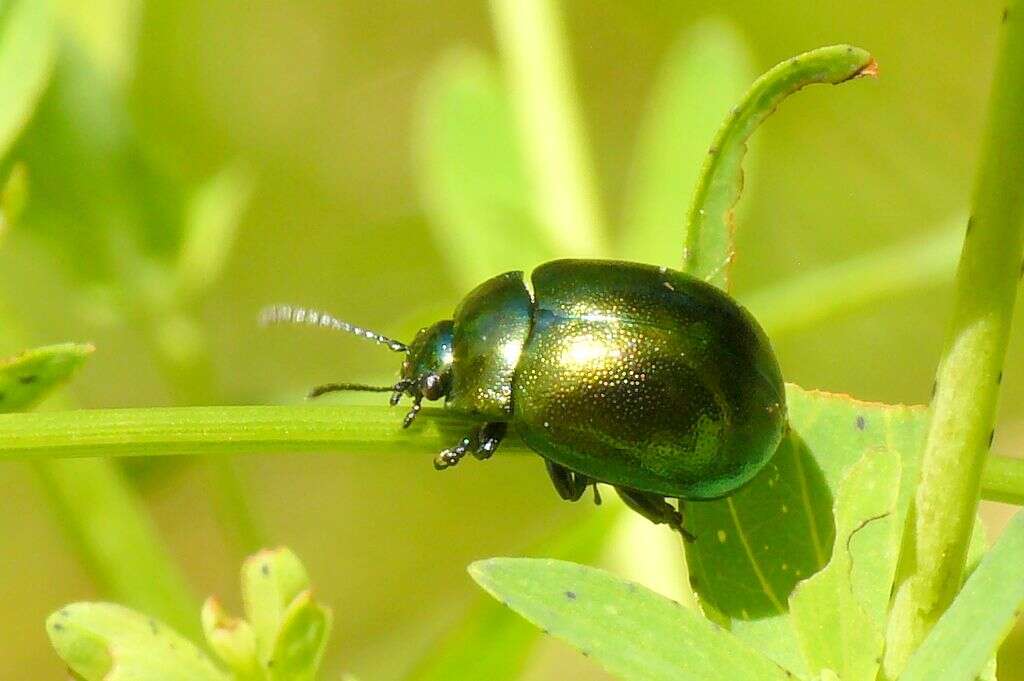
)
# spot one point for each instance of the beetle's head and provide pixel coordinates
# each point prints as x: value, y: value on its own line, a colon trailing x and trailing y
x: 426, y: 370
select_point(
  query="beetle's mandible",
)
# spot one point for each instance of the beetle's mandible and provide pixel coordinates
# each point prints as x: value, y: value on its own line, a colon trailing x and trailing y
x: 640, y: 377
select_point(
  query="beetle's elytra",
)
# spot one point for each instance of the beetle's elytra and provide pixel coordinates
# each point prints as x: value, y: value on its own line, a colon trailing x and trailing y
x: 637, y: 376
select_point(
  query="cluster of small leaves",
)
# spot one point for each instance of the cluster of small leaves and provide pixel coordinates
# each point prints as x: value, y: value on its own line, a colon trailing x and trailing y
x: 282, y: 637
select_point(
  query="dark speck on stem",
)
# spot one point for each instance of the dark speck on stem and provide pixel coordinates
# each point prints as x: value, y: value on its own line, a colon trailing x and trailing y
x: 571, y: 595
x: 28, y: 380
x: 991, y: 436
x: 265, y: 569
x: 860, y: 423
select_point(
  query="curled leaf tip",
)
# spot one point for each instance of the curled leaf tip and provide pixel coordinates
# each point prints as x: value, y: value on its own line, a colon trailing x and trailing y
x: 869, y: 70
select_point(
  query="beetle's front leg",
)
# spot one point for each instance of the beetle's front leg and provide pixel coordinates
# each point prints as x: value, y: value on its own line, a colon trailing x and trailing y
x: 483, y: 444
x: 655, y: 508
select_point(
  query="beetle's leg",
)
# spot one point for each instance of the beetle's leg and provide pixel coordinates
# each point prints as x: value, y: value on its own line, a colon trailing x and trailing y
x: 411, y: 416
x: 489, y: 438
x: 449, y: 457
x: 655, y: 508
x: 569, y: 485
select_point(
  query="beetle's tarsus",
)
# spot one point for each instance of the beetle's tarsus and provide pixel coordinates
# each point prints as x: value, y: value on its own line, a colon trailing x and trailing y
x: 450, y: 457
x: 569, y: 485
x: 411, y: 416
x: 597, y: 495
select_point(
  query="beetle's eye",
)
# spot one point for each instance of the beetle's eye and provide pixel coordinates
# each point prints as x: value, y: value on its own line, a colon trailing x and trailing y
x: 432, y: 387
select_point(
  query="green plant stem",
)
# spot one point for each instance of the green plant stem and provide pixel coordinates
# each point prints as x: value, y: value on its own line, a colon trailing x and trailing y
x: 533, y: 48
x: 967, y: 382
x: 363, y: 430
x: 802, y: 301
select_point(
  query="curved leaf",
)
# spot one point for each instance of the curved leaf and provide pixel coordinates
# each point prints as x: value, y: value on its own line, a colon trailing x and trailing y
x: 708, y: 250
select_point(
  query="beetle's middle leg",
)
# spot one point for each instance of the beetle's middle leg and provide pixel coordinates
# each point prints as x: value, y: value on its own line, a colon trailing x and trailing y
x: 569, y: 485
x: 482, y: 444
x: 655, y: 508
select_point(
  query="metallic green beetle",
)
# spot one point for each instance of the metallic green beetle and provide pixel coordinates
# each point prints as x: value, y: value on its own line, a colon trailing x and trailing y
x: 637, y: 376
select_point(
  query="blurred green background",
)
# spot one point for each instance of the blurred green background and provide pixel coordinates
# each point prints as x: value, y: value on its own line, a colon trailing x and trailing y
x: 318, y: 104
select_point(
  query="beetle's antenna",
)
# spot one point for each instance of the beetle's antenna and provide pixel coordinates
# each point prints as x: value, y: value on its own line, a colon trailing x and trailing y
x: 289, y: 314
x: 354, y: 387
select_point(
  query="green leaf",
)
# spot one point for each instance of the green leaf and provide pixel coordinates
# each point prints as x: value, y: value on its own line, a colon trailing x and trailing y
x: 27, y: 48
x: 13, y: 196
x: 471, y: 172
x: 633, y: 632
x: 709, y: 248
x: 26, y: 379
x: 967, y: 635
x: 107, y: 642
x: 492, y: 643
x: 211, y: 224
x: 232, y: 639
x: 705, y: 72
x: 839, y: 613
x: 271, y: 581
x: 755, y: 546
x: 301, y: 640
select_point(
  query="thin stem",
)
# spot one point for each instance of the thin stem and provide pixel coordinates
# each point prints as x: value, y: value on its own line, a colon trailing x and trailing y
x: 800, y: 302
x: 363, y: 430
x: 537, y: 62
x: 227, y: 430
x: 967, y: 382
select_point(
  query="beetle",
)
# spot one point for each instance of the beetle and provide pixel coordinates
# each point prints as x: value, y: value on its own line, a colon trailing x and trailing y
x: 637, y: 376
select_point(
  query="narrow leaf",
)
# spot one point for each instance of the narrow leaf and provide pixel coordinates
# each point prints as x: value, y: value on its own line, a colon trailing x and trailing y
x: 27, y: 49
x: 709, y: 248
x: 968, y: 634
x: 13, y: 195
x: 211, y: 224
x: 705, y: 72
x: 26, y: 379
x: 301, y: 641
x: 107, y: 642
x: 632, y: 631
x: 471, y: 172
x: 839, y: 613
